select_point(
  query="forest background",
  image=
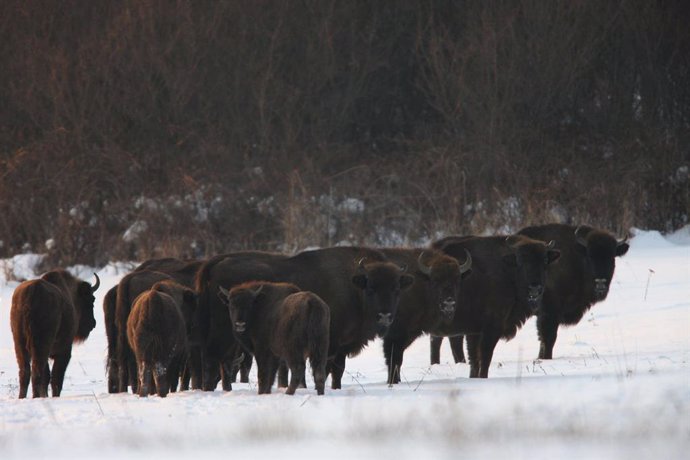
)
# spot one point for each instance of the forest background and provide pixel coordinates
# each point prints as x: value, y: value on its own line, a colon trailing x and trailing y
x: 133, y: 129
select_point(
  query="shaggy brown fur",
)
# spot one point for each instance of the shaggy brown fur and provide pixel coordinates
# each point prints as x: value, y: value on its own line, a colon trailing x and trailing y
x: 506, y: 287
x: 157, y: 330
x: 277, y: 321
x: 580, y: 279
x: 361, y: 287
x: 431, y: 301
x: 48, y: 315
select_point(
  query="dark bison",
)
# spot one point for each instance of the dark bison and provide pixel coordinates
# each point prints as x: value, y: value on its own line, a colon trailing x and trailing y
x: 129, y: 287
x: 157, y: 331
x: 277, y: 322
x: 430, y: 301
x: 505, y: 289
x: 48, y: 315
x: 360, y: 285
x: 580, y: 279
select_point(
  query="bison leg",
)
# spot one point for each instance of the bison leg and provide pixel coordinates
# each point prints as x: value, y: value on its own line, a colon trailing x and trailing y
x: 24, y: 364
x: 297, y: 369
x: 194, y: 366
x: 59, y: 369
x: 245, y: 367
x: 144, y: 380
x: 267, y: 368
x: 486, y: 351
x: 160, y: 377
x: 38, y: 387
x: 113, y: 373
x: 473, y: 354
x: 210, y: 366
x: 547, y: 327
x: 226, y: 370
x: 319, y: 372
x: 456, y: 348
x: 393, y: 351
x: 132, y: 372
x: 435, y: 346
x: 282, y: 375
x: 337, y: 369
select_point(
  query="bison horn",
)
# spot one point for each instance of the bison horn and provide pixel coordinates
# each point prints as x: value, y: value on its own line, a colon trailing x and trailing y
x: 511, y: 239
x: 579, y: 237
x: 468, y: 262
x: 223, y: 293
x: 360, y: 264
x: 551, y: 244
x: 97, y: 284
x: 421, y: 266
x: 623, y: 240
x: 258, y: 291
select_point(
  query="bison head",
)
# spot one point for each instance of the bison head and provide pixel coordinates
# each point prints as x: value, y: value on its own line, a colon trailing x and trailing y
x: 530, y: 258
x: 84, y: 304
x: 381, y: 283
x: 444, y: 274
x: 600, y: 250
x: 240, y: 301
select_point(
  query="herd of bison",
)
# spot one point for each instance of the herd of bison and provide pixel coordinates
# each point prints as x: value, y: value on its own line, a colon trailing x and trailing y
x: 201, y: 322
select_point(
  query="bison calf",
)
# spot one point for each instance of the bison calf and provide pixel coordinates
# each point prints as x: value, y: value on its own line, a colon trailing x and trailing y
x: 48, y: 315
x: 157, y: 330
x: 277, y: 321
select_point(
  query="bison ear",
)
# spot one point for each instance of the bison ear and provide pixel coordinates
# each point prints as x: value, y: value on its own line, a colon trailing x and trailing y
x: 406, y: 281
x: 224, y: 295
x: 622, y: 249
x: 510, y: 260
x: 360, y: 281
x: 552, y: 255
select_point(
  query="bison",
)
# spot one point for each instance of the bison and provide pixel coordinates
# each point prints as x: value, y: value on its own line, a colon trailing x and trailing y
x: 157, y: 331
x: 129, y: 287
x: 580, y: 279
x: 278, y: 322
x: 429, y: 302
x: 48, y: 315
x: 506, y: 287
x: 361, y: 287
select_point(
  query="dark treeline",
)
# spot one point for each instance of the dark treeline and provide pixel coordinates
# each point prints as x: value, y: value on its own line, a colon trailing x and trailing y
x: 130, y: 129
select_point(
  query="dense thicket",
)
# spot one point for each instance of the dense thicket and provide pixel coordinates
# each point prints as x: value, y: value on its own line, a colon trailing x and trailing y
x: 134, y: 128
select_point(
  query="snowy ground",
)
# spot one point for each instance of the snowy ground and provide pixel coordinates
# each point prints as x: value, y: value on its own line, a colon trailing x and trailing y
x: 618, y: 388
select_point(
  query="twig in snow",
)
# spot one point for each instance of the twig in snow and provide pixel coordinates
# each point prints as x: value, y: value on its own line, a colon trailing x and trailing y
x: 427, y: 372
x: 649, y: 278
x: 305, y: 400
x: 355, y: 379
x: 98, y: 402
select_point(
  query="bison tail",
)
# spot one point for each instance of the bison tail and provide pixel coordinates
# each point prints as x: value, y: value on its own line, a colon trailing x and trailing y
x: 318, y: 332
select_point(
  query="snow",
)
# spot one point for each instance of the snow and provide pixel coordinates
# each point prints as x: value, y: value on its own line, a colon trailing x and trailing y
x: 619, y: 387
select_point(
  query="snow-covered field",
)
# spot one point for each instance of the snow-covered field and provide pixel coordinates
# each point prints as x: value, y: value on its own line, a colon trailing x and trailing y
x: 618, y: 388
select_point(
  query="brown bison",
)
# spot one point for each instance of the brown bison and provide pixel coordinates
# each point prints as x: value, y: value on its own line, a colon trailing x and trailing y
x: 580, y: 279
x: 157, y: 331
x: 278, y: 322
x: 129, y: 287
x: 361, y: 287
x: 430, y: 301
x: 48, y: 315
x: 506, y: 288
